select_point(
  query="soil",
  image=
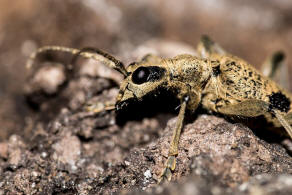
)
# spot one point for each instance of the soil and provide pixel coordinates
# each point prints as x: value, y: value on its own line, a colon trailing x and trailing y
x: 51, y: 144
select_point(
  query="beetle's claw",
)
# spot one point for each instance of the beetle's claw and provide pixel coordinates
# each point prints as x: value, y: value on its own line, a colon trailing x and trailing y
x: 168, y: 168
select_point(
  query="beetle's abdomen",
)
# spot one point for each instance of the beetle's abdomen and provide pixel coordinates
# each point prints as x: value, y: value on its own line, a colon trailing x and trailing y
x: 240, y: 81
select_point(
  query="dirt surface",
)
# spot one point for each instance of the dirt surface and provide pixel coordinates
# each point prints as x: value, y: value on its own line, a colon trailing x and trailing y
x: 51, y: 144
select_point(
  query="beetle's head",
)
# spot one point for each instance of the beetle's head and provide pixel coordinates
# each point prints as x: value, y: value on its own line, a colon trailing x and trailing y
x: 142, y: 79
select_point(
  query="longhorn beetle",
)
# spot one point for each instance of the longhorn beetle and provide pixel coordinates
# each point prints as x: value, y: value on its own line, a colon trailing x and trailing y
x: 221, y: 82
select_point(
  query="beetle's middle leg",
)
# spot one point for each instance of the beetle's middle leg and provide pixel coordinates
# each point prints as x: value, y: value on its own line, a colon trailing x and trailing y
x: 173, y: 149
x: 275, y: 68
x: 207, y: 47
x: 272, y: 64
x: 151, y: 58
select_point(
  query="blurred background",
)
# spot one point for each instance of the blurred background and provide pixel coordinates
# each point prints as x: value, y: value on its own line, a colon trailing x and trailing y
x: 246, y: 28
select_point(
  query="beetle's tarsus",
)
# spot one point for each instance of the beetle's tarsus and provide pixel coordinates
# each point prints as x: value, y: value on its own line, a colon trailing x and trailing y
x: 100, y: 107
x: 169, y: 167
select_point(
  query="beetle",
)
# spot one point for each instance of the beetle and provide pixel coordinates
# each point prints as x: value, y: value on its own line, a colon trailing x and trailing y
x: 221, y: 82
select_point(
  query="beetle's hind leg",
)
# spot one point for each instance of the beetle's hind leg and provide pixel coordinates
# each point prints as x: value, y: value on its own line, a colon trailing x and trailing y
x: 248, y: 108
x: 254, y: 108
x: 284, y: 122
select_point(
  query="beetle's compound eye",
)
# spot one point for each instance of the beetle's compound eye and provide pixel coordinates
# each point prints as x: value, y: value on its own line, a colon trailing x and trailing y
x: 140, y: 75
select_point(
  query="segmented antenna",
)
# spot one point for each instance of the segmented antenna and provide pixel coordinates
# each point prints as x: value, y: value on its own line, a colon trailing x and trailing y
x: 91, y: 53
x: 118, y: 65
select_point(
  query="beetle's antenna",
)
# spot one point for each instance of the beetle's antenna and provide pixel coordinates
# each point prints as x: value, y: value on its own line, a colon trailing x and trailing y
x: 92, y: 53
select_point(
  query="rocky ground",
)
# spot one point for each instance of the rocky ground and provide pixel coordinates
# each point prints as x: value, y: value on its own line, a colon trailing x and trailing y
x: 51, y: 144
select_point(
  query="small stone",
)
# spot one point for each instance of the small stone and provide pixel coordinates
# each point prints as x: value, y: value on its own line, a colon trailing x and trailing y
x: 127, y: 163
x: 147, y: 174
x: 44, y: 154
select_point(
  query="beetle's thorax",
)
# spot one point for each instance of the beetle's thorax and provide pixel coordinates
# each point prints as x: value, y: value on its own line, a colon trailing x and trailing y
x: 190, y: 70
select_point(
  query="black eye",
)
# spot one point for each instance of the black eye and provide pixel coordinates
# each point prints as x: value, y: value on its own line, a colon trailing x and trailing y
x: 140, y: 75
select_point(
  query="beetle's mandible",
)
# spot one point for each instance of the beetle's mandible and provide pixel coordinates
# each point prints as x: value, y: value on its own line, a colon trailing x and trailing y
x: 219, y: 81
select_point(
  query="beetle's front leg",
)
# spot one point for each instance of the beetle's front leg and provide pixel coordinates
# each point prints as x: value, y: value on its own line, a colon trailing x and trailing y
x: 98, y: 107
x: 173, y: 149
